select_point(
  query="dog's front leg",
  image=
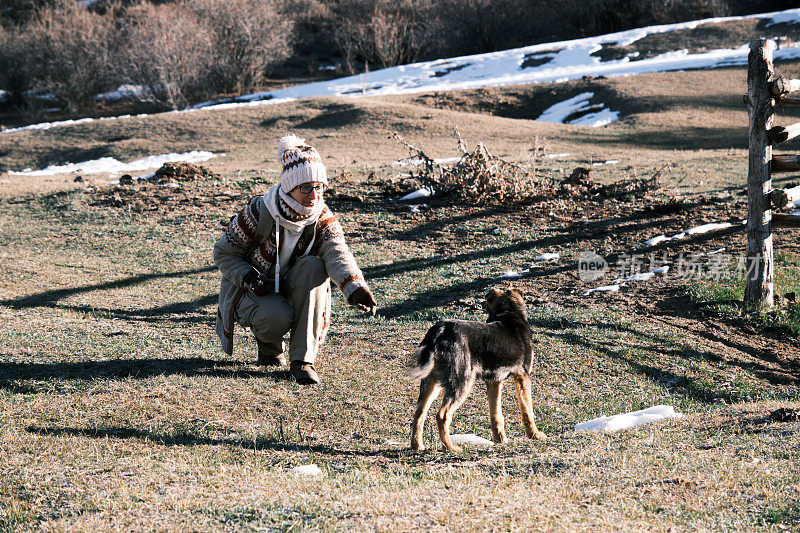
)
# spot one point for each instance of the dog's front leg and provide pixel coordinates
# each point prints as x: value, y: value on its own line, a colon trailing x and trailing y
x: 522, y: 382
x: 428, y: 390
x: 495, y: 391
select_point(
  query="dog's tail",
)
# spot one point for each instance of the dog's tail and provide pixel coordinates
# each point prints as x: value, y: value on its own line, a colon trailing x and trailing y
x: 424, y: 355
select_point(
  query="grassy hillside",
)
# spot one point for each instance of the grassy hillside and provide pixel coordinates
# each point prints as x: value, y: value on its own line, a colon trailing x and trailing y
x: 119, y: 412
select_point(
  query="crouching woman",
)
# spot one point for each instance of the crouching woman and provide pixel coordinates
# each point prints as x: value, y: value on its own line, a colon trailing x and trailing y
x: 276, y: 258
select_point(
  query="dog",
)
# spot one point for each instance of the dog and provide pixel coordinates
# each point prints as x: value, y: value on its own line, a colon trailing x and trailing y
x: 454, y: 353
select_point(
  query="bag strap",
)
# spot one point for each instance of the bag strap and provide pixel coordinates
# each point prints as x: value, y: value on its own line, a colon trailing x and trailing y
x: 265, y: 224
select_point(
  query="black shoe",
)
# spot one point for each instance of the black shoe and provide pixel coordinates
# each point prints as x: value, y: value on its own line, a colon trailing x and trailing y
x: 269, y: 359
x: 304, y: 373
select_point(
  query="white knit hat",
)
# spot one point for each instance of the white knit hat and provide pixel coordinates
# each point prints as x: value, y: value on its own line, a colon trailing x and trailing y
x: 300, y: 163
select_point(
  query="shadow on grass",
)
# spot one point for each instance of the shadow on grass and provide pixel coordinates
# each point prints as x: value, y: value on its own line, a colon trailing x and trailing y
x: 27, y: 377
x: 435, y: 297
x: 472, y: 458
x: 187, y: 439
x: 695, y: 389
x: 177, y: 312
x: 49, y: 298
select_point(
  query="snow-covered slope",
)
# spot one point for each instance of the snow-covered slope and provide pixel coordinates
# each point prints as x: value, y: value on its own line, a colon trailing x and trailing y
x: 549, y: 62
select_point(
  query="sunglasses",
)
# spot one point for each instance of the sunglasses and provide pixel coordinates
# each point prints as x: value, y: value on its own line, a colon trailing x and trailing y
x: 308, y: 189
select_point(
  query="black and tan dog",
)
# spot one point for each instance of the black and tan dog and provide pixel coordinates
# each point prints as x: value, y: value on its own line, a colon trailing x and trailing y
x: 455, y: 352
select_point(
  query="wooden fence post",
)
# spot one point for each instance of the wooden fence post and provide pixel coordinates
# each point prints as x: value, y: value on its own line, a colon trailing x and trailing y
x: 760, y: 108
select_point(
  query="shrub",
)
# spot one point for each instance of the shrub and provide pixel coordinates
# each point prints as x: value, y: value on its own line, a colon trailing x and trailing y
x: 188, y: 51
x: 16, y: 68
x: 167, y: 50
x: 381, y: 32
x: 64, y: 52
x: 249, y: 37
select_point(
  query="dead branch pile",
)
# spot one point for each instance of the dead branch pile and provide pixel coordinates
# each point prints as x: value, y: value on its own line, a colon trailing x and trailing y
x: 479, y: 177
x: 579, y: 184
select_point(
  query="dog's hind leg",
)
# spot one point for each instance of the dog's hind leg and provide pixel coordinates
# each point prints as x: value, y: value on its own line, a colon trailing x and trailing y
x: 451, y: 401
x: 428, y: 391
x: 495, y: 391
x: 522, y: 382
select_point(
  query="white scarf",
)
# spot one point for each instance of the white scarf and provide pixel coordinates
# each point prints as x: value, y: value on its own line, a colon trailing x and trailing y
x: 292, y: 228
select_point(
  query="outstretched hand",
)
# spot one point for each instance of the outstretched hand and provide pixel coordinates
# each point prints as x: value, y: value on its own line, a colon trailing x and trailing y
x: 363, y: 299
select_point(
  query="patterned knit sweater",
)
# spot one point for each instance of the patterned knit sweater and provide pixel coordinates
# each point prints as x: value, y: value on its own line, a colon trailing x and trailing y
x: 241, y: 247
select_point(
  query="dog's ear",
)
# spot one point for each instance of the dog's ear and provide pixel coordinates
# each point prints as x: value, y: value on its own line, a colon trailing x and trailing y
x: 492, y: 295
x: 519, y: 291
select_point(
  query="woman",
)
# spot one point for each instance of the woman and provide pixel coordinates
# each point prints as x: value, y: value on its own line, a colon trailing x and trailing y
x: 276, y: 257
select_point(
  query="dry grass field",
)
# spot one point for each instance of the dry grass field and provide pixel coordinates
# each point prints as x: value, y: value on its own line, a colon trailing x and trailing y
x: 118, y: 412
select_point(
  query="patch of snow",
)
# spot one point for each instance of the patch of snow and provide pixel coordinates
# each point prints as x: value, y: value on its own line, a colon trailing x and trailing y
x: 109, y: 164
x: 513, y: 274
x: 124, y: 92
x: 419, y: 193
x: 555, y: 156
x: 471, y: 440
x: 604, y: 288
x: 643, y: 276
x: 390, y: 442
x: 656, y: 240
x: 609, y: 162
x: 48, y: 125
x: 629, y: 420
x: 559, y: 113
x: 639, y: 276
x: 549, y: 256
x: 306, y: 470
x: 697, y: 230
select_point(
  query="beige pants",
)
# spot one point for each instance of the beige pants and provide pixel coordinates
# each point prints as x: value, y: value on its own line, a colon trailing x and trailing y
x: 303, y: 309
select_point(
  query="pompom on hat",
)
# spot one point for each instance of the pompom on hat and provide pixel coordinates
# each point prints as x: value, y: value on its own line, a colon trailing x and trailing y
x: 300, y: 163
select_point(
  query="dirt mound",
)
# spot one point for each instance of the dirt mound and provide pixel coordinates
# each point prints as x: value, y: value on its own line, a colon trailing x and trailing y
x: 176, y: 189
x: 183, y: 172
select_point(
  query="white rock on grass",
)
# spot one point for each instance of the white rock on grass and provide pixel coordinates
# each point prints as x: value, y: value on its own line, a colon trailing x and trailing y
x: 629, y: 420
x: 471, y: 440
x: 306, y: 470
x: 419, y: 193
